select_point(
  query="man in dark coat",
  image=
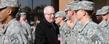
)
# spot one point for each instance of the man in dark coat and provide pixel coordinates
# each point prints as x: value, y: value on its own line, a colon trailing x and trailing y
x: 47, y: 31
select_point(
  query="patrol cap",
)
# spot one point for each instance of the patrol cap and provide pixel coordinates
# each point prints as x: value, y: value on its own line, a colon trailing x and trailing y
x: 60, y: 14
x: 104, y: 10
x: 8, y: 3
x: 85, y: 5
x: 72, y: 5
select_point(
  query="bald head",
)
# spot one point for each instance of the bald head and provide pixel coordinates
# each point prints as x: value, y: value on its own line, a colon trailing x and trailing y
x: 49, y: 13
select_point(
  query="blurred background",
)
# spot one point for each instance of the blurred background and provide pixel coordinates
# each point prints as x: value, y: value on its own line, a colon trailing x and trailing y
x: 34, y: 8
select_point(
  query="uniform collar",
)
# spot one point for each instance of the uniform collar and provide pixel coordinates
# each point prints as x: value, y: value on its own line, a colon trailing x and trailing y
x: 6, y: 25
x: 103, y: 23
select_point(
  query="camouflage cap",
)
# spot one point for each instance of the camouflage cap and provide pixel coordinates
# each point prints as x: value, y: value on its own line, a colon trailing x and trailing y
x: 72, y: 5
x: 8, y: 3
x: 103, y: 10
x: 85, y: 5
x: 60, y: 14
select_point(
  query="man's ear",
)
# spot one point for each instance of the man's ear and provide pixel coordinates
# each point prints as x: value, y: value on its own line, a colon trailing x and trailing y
x: 85, y: 13
x: 9, y: 11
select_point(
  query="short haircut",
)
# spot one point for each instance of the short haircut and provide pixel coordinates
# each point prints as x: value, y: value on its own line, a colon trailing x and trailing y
x: 48, y: 8
x: 14, y: 11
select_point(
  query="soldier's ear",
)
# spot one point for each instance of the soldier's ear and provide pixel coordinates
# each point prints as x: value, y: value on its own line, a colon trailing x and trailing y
x: 85, y: 13
x: 9, y: 11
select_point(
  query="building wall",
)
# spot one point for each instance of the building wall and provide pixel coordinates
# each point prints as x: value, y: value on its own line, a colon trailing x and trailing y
x: 107, y: 2
x: 62, y: 3
x: 99, y: 3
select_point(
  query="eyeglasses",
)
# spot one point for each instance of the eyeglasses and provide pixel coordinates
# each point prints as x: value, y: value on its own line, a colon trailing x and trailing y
x: 3, y: 8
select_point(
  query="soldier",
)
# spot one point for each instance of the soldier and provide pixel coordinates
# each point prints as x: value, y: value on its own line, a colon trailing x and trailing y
x: 66, y: 30
x: 1, y: 30
x: 59, y: 20
x: 104, y: 24
x: 22, y: 18
x: 13, y: 31
x: 60, y: 16
x: 86, y: 29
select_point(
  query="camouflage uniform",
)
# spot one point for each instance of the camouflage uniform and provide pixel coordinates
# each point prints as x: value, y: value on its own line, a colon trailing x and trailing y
x: 28, y: 32
x: 104, y: 24
x: 69, y: 34
x: 1, y: 31
x: 88, y: 33
x: 63, y: 15
x: 63, y: 30
x: 14, y: 34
